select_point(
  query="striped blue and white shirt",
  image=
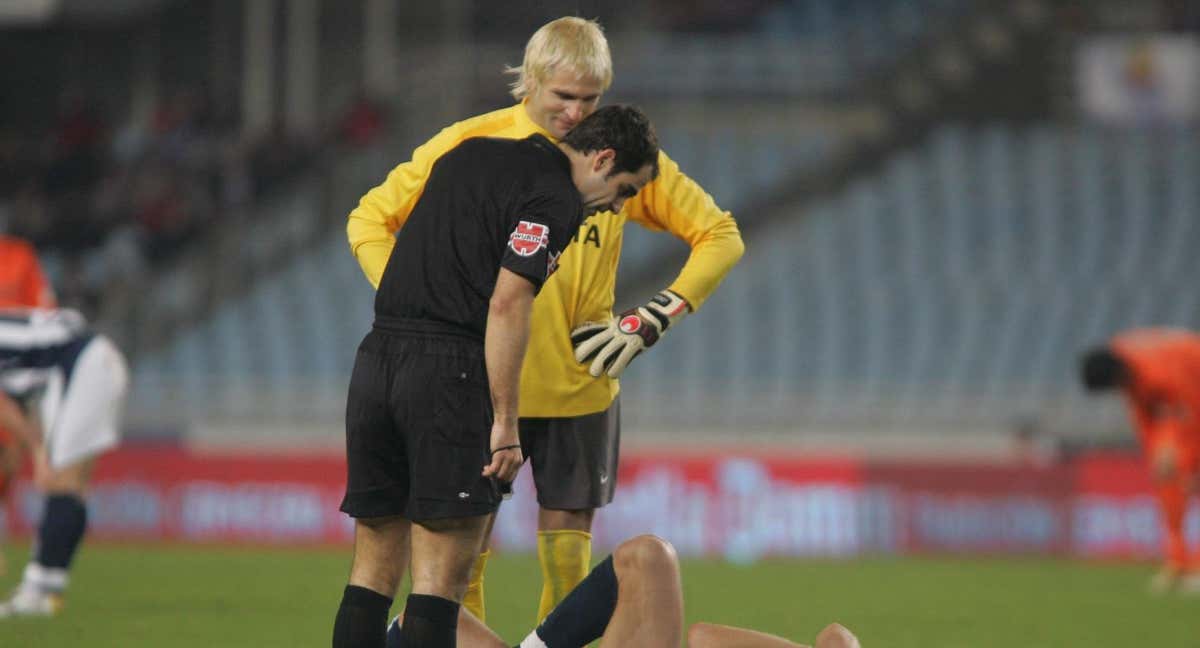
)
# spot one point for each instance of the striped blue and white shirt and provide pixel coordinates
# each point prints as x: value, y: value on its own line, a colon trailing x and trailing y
x: 36, y: 344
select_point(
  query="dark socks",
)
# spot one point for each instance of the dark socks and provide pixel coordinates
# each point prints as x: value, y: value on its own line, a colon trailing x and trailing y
x: 583, y: 616
x: 61, y: 531
x: 362, y: 619
x: 429, y: 622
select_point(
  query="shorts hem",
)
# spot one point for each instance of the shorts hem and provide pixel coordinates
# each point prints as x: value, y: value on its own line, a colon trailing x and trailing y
x: 430, y: 510
x: 378, y: 502
x: 576, y: 505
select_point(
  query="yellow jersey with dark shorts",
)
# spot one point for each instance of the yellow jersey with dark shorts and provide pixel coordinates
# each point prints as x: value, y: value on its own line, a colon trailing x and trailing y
x: 553, y: 384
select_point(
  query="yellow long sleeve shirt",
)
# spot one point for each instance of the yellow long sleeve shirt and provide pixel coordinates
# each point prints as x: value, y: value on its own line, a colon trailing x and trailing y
x: 583, y: 288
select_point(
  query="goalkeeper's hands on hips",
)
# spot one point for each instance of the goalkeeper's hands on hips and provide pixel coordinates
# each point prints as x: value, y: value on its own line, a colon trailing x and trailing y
x: 611, y: 346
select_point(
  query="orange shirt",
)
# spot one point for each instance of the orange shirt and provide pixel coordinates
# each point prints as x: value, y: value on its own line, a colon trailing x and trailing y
x: 1164, y: 393
x: 22, y: 283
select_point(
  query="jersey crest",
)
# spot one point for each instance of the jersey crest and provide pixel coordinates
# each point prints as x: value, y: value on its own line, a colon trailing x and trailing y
x: 529, y: 238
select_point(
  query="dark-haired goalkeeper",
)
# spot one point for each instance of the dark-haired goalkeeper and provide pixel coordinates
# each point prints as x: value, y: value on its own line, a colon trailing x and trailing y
x: 570, y: 411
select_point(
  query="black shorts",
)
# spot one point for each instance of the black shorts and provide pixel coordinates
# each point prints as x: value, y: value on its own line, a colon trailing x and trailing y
x: 418, y: 427
x: 574, y: 459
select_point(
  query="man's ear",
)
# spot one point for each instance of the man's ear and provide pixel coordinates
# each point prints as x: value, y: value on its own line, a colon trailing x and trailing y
x: 604, y: 160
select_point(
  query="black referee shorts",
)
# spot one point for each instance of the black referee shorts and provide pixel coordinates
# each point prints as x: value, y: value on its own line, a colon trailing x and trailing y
x: 418, y: 426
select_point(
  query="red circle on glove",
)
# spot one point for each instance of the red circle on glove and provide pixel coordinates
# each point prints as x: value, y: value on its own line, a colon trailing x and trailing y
x: 630, y: 323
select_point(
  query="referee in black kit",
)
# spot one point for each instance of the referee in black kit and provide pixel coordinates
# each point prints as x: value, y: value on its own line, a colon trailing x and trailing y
x: 431, y: 417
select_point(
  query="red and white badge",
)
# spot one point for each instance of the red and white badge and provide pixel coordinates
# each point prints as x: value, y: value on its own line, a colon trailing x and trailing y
x: 630, y: 323
x: 529, y: 238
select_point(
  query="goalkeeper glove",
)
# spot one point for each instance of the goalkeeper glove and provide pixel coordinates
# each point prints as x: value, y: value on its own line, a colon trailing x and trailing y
x: 611, y: 346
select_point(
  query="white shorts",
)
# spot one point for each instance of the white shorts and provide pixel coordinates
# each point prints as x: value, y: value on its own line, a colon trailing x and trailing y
x: 81, y: 414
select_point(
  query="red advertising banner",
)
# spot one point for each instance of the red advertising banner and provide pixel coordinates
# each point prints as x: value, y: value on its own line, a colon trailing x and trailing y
x: 169, y: 493
x: 974, y: 507
x: 741, y: 506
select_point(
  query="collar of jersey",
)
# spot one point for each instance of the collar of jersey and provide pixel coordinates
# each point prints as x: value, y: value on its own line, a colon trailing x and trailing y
x: 527, y: 122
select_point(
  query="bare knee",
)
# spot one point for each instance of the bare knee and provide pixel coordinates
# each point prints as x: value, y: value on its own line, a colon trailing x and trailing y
x: 69, y: 480
x: 1165, y: 463
x: 370, y: 572
x: 835, y: 635
x: 380, y: 553
x: 645, y: 553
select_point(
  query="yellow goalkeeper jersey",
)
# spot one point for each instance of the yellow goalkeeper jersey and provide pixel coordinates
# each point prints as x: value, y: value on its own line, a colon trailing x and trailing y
x: 583, y: 288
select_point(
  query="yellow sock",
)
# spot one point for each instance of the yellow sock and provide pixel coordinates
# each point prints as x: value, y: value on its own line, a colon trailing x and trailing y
x: 566, y: 557
x: 473, y: 599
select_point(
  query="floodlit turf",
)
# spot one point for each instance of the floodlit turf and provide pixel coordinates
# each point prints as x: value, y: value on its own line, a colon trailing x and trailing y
x: 126, y: 597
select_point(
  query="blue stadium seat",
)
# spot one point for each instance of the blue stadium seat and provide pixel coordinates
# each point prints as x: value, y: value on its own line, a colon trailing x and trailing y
x: 960, y: 282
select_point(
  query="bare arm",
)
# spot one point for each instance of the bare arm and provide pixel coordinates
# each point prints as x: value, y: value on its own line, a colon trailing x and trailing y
x: 505, y: 340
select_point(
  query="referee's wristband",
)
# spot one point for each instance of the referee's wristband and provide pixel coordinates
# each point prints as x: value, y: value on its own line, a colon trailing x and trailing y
x: 507, y: 447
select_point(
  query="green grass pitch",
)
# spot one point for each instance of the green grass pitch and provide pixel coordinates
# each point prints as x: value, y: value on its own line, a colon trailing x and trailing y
x: 132, y: 596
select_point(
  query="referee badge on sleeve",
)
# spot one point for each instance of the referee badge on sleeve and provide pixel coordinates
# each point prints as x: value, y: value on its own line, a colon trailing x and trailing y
x: 529, y: 238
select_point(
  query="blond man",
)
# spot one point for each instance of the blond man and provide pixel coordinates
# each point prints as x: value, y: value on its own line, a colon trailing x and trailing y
x: 570, y: 411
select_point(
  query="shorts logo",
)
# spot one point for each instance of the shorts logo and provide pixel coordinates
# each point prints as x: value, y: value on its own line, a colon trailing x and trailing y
x: 552, y: 262
x: 630, y: 324
x: 529, y: 238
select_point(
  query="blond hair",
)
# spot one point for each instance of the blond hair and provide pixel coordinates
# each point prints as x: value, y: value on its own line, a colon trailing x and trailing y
x: 573, y: 43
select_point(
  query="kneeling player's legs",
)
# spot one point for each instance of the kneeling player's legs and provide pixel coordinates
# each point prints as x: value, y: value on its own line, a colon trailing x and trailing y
x: 574, y: 462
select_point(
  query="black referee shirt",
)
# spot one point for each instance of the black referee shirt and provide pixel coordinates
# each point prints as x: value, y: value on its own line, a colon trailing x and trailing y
x: 488, y: 203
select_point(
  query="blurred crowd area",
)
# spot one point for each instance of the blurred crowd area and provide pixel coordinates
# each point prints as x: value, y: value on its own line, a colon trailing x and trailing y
x: 105, y: 195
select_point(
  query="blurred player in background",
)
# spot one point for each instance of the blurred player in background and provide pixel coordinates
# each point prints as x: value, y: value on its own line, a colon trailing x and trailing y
x: 1159, y: 372
x: 570, y: 414
x: 22, y: 285
x: 61, y: 392
x: 632, y: 598
x: 22, y: 282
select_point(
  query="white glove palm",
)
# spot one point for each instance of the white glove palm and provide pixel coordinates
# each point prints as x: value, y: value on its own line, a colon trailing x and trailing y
x: 611, y: 346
